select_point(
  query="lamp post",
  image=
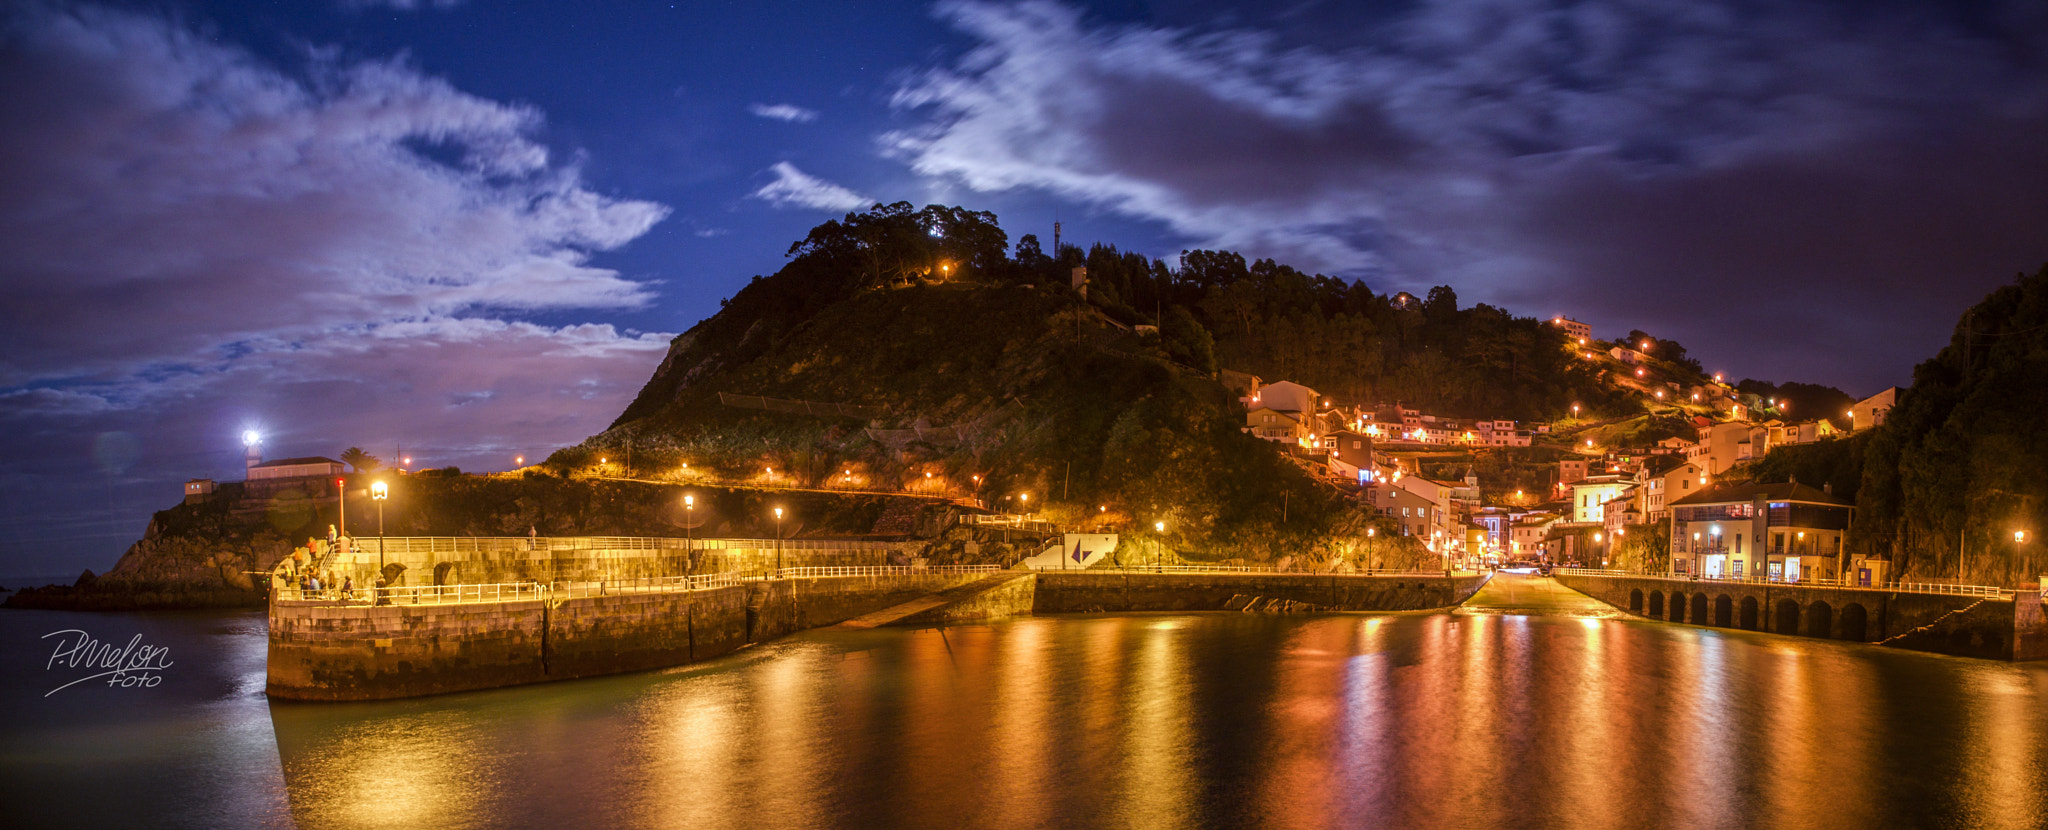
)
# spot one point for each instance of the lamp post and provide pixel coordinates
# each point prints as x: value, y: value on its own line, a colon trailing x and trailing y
x: 778, y: 543
x: 379, y: 491
x: 1159, y: 563
x: 1369, y: 533
x: 2019, y: 539
x: 689, y: 533
x: 1797, y: 539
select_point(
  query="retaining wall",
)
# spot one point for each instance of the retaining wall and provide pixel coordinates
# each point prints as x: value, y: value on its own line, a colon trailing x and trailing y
x: 2000, y: 629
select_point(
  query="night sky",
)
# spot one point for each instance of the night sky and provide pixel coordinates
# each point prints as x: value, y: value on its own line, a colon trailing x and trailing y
x: 470, y: 228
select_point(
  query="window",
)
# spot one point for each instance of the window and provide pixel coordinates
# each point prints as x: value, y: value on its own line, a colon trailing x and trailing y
x: 1777, y: 543
x: 1404, y: 512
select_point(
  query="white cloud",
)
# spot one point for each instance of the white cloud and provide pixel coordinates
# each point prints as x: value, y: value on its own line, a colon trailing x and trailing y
x: 795, y: 188
x: 784, y: 112
x: 197, y: 242
x: 172, y: 195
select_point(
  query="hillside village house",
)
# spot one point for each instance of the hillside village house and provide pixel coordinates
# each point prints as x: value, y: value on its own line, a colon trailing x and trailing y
x: 1727, y: 443
x: 296, y: 468
x: 1286, y: 396
x: 1525, y: 538
x: 1777, y: 531
x: 1577, y: 331
x: 1277, y: 426
x: 1665, y: 479
x: 1590, y: 497
x: 1627, y: 355
x: 313, y: 475
x: 1414, y: 513
x: 1871, y: 411
x: 1350, y: 455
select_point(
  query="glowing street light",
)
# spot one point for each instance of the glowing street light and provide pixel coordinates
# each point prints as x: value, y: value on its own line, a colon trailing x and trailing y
x: 1159, y: 527
x: 689, y: 528
x: 379, y: 492
x: 778, y: 542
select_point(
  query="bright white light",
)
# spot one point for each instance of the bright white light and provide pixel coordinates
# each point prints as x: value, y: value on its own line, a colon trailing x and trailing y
x: 251, y: 438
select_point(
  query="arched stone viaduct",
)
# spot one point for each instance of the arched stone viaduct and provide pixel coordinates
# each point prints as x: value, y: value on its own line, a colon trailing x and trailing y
x: 1998, y: 628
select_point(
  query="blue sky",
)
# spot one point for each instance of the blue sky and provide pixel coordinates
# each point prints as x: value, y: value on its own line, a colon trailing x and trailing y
x: 469, y: 228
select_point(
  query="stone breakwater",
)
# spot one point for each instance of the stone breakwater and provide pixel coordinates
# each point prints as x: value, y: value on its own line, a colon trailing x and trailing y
x: 330, y: 651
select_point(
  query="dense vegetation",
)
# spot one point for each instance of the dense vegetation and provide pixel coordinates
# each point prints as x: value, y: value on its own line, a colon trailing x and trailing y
x: 1958, y: 466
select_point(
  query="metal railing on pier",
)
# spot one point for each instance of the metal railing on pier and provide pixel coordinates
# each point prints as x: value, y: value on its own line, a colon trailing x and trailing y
x: 1249, y: 569
x: 531, y: 591
x: 812, y: 572
x: 1991, y: 591
x: 419, y: 545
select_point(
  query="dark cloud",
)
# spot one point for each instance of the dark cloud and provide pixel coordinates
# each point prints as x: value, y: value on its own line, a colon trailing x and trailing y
x: 199, y: 242
x: 1768, y: 183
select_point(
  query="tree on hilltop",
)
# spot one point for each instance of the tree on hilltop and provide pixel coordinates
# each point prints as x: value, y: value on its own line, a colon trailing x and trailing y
x: 363, y: 462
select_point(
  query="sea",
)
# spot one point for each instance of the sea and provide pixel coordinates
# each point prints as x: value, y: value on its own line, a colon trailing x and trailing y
x: 1411, y: 720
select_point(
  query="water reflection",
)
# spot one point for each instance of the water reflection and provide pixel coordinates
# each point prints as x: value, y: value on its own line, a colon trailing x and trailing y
x: 1415, y: 720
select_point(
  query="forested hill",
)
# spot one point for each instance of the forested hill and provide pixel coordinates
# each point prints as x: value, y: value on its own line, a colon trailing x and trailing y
x: 924, y: 342
x: 1214, y: 308
x: 1958, y: 465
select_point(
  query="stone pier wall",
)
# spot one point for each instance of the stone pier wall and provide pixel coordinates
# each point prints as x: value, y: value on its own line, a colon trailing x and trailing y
x: 323, y: 650
x: 1964, y: 626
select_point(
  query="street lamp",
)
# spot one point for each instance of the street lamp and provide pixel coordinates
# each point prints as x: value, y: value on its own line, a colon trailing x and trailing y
x: 379, y: 491
x: 778, y: 542
x: 1159, y: 562
x: 689, y: 531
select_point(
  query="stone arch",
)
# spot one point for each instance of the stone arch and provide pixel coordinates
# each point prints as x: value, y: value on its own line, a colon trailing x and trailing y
x: 1820, y: 620
x: 1677, y: 606
x: 1854, y: 622
x: 1750, y: 610
x: 1724, y: 611
x: 1657, y: 604
x: 1635, y: 600
x: 1785, y: 618
x: 1699, y: 608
